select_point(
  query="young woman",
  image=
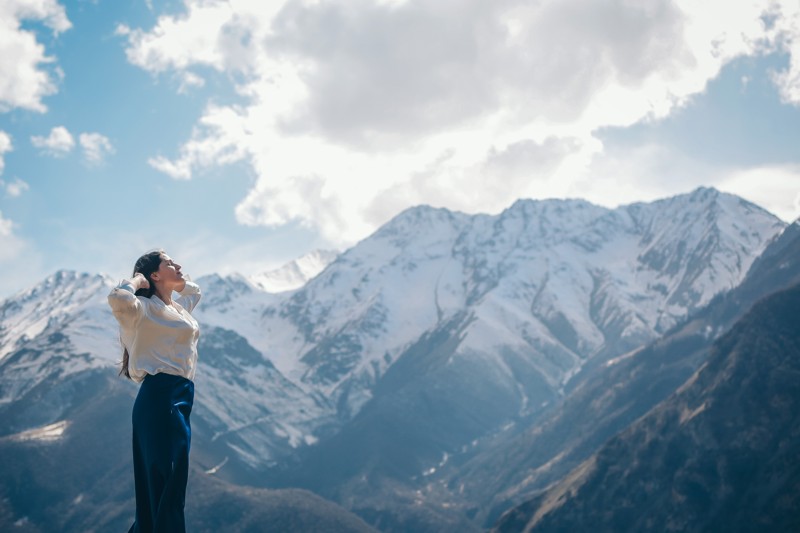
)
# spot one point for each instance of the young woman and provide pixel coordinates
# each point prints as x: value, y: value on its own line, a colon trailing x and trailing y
x: 159, y: 337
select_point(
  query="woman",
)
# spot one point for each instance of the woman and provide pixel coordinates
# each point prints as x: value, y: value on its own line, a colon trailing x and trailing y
x: 159, y: 337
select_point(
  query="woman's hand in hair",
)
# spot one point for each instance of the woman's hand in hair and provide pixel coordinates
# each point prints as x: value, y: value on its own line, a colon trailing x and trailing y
x: 140, y: 282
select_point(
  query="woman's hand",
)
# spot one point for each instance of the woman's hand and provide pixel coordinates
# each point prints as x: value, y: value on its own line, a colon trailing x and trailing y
x: 140, y: 282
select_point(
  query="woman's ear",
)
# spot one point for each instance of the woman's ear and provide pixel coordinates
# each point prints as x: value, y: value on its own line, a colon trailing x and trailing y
x: 154, y: 276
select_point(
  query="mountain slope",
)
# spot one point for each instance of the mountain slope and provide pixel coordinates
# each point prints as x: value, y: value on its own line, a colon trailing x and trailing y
x: 439, y: 331
x: 533, y: 454
x: 78, y: 477
x: 565, y: 280
x: 515, y: 305
x: 719, y: 455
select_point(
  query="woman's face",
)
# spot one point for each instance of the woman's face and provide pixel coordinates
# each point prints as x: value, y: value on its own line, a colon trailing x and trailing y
x: 169, y: 273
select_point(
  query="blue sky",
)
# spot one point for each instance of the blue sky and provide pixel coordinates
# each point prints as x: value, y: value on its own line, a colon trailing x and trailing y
x: 241, y: 134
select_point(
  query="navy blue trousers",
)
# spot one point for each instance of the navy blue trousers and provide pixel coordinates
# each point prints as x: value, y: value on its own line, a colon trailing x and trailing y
x: 161, y: 440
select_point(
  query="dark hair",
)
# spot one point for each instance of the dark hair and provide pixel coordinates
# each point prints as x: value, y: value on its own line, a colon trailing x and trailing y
x: 145, y: 265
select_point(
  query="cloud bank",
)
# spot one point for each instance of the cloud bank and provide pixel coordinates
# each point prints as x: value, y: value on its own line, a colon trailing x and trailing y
x: 353, y: 111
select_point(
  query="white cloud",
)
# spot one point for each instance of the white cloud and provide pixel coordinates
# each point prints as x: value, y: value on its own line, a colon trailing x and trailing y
x: 210, y: 33
x: 95, y: 147
x: 652, y: 171
x: 767, y: 187
x: 21, y: 263
x: 355, y: 110
x: 5, y: 146
x: 190, y: 80
x: 787, y: 27
x: 59, y: 143
x: 217, y: 140
x: 15, y: 188
x: 24, y: 75
x: 10, y: 245
x: 179, y: 170
x: 5, y: 226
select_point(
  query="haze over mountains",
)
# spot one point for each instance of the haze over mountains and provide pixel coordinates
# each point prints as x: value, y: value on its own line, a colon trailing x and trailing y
x: 427, y: 379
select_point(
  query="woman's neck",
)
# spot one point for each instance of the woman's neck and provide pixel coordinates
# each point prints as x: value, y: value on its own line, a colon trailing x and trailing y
x: 167, y: 299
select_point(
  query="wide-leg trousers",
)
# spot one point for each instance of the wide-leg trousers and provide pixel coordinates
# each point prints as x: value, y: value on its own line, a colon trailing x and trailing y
x: 161, y: 440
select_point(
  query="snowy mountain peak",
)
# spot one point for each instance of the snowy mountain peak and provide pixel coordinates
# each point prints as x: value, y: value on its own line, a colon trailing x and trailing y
x: 417, y: 224
x: 556, y: 280
x: 294, y: 274
x: 58, y: 298
x: 556, y: 206
x: 62, y: 286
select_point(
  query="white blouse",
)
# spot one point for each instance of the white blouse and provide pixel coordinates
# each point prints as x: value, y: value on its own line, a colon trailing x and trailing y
x: 159, y: 337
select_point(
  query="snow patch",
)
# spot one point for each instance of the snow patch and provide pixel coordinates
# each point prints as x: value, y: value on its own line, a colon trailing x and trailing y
x: 49, y: 433
x: 215, y: 469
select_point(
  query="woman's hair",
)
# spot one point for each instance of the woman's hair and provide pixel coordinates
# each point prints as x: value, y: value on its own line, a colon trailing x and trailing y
x: 145, y: 265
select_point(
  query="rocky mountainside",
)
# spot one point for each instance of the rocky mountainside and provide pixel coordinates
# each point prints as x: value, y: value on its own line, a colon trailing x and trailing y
x: 503, y: 312
x: 534, y: 453
x: 719, y: 455
x: 76, y: 475
x: 564, y: 280
x: 409, y: 350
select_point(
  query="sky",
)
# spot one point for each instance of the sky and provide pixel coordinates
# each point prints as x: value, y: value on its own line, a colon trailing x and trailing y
x: 241, y: 134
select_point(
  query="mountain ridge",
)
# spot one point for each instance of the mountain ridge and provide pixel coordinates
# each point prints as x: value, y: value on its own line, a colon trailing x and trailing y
x: 610, y: 396
x: 452, y: 326
x: 717, y: 455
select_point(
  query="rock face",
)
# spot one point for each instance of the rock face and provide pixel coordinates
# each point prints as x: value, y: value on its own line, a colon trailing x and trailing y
x: 719, y: 455
x: 401, y: 359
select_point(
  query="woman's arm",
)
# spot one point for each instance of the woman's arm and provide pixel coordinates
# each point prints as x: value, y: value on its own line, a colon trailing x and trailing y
x: 123, y: 301
x: 190, y: 296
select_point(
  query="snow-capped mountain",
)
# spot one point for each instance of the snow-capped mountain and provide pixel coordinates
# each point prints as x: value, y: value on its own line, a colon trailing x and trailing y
x: 443, y: 328
x: 56, y: 329
x: 294, y: 274
x: 63, y: 327
x: 718, y: 454
x: 484, y: 316
x: 538, y: 289
x: 60, y: 299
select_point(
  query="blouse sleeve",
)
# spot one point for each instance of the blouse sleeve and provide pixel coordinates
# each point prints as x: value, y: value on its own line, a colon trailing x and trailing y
x: 189, y: 296
x: 125, y: 305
